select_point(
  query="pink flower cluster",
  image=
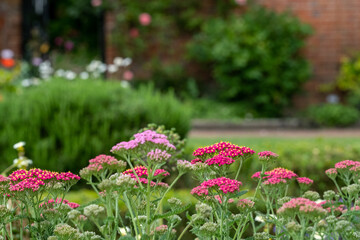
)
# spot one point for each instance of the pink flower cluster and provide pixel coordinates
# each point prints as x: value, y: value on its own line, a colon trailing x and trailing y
x: 196, y: 160
x: 147, y: 136
x: 223, y: 184
x: 267, y: 155
x: 33, y: 179
x: 274, y: 181
x: 141, y: 170
x: 346, y: 164
x: 225, y: 149
x: 158, y: 156
x: 281, y: 173
x: 4, y: 179
x: 304, y: 180
x: 335, y: 209
x: 52, y: 202
x: 245, y: 204
x: 101, y: 161
x: 301, y: 206
x: 219, y: 160
x: 331, y: 172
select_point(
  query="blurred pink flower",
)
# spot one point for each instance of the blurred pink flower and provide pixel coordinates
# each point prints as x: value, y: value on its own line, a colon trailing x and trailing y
x: 59, y: 41
x: 36, y: 61
x: 241, y: 2
x: 144, y: 19
x: 128, y: 75
x: 134, y: 32
x: 96, y: 3
x: 69, y: 45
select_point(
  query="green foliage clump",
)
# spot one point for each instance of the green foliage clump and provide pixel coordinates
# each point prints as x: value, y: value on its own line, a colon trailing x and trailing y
x: 349, y: 80
x: 334, y: 115
x: 64, y: 123
x: 255, y: 57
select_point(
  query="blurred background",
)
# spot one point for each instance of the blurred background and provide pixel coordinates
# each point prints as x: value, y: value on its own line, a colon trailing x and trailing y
x: 77, y: 77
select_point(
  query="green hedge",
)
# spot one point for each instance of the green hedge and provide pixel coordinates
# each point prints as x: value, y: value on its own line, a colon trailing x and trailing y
x: 65, y: 123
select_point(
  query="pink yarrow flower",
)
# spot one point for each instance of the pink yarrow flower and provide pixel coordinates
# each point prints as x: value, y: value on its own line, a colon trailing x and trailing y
x: 225, y: 149
x: 267, y: 156
x: 158, y: 156
x: 146, y: 137
x: 219, y: 160
x: 302, y: 206
x: 304, y: 180
x: 223, y: 184
x: 281, y: 173
x: 51, y: 203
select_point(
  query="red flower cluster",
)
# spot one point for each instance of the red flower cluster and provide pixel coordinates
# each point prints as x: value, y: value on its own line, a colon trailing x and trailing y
x: 101, y: 161
x: 33, y: 179
x: 304, y: 180
x: 223, y: 184
x: 219, y: 160
x: 225, y: 149
x: 141, y: 170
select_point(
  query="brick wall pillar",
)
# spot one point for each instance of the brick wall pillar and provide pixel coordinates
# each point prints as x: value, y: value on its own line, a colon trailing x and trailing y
x: 10, y: 26
x: 336, y: 27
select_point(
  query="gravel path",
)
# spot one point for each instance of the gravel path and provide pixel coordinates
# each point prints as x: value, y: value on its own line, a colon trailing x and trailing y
x: 286, y: 133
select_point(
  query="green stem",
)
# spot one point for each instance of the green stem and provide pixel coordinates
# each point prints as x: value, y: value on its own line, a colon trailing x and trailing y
x: 185, y: 229
x: 260, y: 180
x: 167, y: 190
x: 7, y: 169
x: 239, y: 169
x: 148, y: 202
x: 313, y: 233
x: 131, y: 213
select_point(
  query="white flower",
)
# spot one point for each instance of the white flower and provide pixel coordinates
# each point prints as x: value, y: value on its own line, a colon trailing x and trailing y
x: 126, y: 62
x: 26, y: 83
x: 94, y: 64
x: 84, y: 75
x: 60, y: 73
x: 22, y: 162
x: 112, y: 68
x: 102, y: 67
x: 118, y: 61
x: 125, y: 84
x: 19, y: 145
x: 124, y: 231
x: 70, y: 75
x: 319, y: 201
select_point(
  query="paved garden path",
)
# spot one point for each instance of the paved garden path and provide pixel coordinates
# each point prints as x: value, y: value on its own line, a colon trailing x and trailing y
x: 288, y: 133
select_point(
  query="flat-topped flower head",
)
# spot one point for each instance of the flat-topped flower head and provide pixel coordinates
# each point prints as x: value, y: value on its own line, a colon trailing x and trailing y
x: 346, y: 164
x: 274, y: 181
x: 245, y: 204
x: 142, y: 171
x: 267, y: 156
x: 52, y: 203
x: 225, y: 149
x: 222, y: 184
x: 100, y: 164
x: 304, y: 183
x: 281, y: 173
x: 35, y: 178
x: 148, y: 139
x: 184, y: 166
x: 158, y: 156
x: 196, y: 160
x: 219, y: 160
x: 302, y: 207
x: 4, y: 180
x: 331, y: 173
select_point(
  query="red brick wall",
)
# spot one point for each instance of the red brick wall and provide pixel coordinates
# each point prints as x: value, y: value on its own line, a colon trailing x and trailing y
x: 10, y: 26
x: 336, y: 33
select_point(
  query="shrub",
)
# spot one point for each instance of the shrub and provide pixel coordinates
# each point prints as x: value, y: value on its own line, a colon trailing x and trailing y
x: 334, y: 115
x: 66, y: 123
x: 255, y: 57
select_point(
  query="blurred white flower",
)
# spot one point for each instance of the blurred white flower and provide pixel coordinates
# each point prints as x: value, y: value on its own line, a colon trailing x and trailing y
x: 124, y: 231
x: 125, y: 84
x: 26, y: 83
x: 93, y: 66
x: 60, y: 73
x: 112, y: 68
x: 22, y: 162
x: 118, y: 61
x: 126, y: 62
x: 19, y: 145
x: 84, y: 75
x: 7, y: 54
x: 70, y: 75
x: 102, y: 67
